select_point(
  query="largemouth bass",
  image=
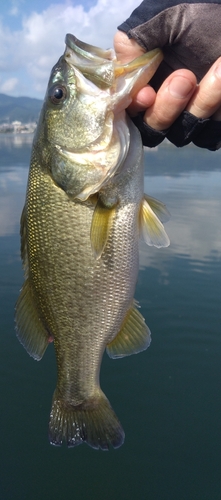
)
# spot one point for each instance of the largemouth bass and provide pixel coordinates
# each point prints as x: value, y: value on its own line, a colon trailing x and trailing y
x: 80, y: 226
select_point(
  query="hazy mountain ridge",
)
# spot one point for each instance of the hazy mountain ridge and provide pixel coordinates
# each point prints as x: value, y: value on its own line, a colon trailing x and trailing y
x: 23, y: 109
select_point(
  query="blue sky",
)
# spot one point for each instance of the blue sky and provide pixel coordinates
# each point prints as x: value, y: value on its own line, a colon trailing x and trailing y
x: 32, y: 36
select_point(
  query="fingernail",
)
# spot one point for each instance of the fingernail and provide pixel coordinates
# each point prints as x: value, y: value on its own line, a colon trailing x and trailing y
x: 180, y: 87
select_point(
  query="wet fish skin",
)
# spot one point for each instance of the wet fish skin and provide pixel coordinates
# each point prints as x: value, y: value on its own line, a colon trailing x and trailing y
x: 79, y: 242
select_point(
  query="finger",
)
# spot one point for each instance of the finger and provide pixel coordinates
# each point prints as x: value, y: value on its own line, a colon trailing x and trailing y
x: 207, y: 98
x: 126, y: 49
x: 217, y: 115
x: 171, y: 99
x: 143, y: 100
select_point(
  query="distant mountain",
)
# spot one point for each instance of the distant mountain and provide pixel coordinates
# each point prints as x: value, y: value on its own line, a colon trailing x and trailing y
x: 23, y: 109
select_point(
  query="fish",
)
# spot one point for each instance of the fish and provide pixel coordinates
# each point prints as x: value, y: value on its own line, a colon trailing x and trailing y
x: 84, y: 213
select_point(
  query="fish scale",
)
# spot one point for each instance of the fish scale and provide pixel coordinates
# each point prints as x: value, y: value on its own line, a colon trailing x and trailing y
x: 94, y: 283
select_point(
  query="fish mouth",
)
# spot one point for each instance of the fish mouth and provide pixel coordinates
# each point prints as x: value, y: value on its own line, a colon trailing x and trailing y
x: 94, y: 63
x: 102, y: 68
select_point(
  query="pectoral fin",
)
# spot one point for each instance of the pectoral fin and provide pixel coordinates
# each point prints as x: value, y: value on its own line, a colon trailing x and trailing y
x: 30, y: 330
x: 158, y: 208
x: 100, y: 227
x: 133, y: 337
x: 152, y: 229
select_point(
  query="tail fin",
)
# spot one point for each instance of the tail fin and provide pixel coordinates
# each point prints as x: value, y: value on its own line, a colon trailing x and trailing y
x: 93, y: 422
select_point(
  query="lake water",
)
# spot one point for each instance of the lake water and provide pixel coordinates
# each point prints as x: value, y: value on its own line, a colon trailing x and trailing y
x: 167, y: 398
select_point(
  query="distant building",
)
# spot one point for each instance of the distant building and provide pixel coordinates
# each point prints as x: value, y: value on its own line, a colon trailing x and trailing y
x: 17, y: 127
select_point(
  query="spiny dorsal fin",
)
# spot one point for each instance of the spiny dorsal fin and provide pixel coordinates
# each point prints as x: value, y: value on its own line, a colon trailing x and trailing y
x: 30, y: 330
x: 100, y: 227
x: 151, y: 228
x: 133, y: 337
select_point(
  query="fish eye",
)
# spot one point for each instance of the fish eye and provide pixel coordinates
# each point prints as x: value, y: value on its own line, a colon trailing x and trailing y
x: 57, y: 94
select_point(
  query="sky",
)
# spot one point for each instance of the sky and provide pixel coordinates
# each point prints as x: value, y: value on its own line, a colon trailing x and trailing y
x: 32, y: 34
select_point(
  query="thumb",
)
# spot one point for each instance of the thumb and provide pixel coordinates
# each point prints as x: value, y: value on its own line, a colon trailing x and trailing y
x: 126, y: 49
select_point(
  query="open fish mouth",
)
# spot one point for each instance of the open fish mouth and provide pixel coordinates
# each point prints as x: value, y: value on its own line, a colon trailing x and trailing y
x: 102, y: 68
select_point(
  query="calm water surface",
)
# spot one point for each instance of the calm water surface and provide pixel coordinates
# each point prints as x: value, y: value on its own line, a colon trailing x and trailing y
x: 167, y: 398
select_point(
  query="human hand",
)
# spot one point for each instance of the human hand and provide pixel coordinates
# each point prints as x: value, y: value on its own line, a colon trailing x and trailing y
x: 178, y: 92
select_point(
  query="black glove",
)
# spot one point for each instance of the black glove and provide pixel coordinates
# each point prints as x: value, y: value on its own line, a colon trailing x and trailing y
x: 189, y: 35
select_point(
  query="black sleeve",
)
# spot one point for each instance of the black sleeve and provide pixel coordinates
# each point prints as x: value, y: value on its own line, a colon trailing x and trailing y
x: 204, y: 133
x: 186, y: 32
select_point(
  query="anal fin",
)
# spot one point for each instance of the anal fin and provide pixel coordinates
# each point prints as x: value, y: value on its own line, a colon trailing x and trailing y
x: 133, y: 337
x: 30, y: 330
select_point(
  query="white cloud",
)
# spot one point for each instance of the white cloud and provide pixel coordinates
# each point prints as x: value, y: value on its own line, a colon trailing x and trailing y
x: 15, y: 7
x: 36, y: 48
x: 9, y: 85
x: 14, y: 11
x: 193, y: 230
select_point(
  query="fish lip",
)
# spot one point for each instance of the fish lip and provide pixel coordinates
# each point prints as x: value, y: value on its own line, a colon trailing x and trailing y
x: 88, y: 51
